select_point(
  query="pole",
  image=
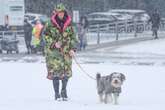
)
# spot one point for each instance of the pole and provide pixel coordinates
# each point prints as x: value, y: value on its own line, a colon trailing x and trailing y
x: 98, y: 34
x: 117, y: 32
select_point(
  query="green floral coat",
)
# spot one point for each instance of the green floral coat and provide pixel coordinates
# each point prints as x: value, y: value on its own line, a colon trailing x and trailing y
x: 58, y: 60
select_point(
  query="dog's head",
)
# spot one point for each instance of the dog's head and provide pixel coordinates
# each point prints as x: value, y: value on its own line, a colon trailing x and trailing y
x: 117, y: 79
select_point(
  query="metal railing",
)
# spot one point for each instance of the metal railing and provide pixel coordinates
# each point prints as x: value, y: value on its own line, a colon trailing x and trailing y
x: 121, y: 27
x: 3, y: 34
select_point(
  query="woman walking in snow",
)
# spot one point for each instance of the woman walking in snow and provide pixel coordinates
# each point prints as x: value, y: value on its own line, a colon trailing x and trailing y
x: 59, y: 50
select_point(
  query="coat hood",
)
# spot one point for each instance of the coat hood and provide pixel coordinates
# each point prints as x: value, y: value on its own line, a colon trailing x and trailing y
x: 55, y: 23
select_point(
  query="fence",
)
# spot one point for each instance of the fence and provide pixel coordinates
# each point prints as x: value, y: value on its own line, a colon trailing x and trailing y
x: 9, y: 41
x: 121, y: 28
x: 15, y: 33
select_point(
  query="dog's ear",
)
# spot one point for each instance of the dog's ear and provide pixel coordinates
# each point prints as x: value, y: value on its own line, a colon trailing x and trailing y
x: 98, y: 76
x: 122, y: 76
x: 110, y: 76
x: 107, y: 77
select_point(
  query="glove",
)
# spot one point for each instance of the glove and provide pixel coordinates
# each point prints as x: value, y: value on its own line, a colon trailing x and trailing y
x: 63, y: 76
x: 55, y: 45
x: 50, y: 76
x: 71, y: 53
x: 58, y: 45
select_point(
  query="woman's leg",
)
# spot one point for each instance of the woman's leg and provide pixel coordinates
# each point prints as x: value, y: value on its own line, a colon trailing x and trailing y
x: 63, y: 89
x: 56, y: 87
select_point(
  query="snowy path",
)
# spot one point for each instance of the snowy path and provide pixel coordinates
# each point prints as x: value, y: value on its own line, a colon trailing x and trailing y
x: 23, y: 85
x: 25, y: 88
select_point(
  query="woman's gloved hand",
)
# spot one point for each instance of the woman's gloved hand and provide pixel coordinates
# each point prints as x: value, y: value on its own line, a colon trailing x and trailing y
x: 71, y: 53
x: 55, y: 45
x: 50, y: 76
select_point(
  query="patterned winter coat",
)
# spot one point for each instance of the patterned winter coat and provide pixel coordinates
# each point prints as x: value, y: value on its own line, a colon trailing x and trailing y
x: 58, y: 60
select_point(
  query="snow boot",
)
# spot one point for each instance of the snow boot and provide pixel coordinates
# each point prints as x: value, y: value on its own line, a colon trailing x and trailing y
x: 57, y: 97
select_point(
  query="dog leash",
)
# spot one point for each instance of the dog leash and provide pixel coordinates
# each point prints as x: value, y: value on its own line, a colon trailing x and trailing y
x: 82, y: 68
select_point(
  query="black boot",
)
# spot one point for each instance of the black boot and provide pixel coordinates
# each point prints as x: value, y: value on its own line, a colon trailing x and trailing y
x: 156, y: 34
x: 56, y: 88
x: 63, y: 90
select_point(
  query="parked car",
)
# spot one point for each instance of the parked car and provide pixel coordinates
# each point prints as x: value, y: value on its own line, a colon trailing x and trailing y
x: 109, y: 18
x: 99, y: 18
x: 104, y: 17
x: 140, y: 15
x: 32, y: 17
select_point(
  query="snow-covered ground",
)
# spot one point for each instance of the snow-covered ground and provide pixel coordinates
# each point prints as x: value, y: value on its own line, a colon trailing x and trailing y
x: 150, y: 52
x: 23, y: 84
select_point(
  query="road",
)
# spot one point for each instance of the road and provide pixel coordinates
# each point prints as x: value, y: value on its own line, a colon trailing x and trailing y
x: 105, y: 53
x: 98, y: 54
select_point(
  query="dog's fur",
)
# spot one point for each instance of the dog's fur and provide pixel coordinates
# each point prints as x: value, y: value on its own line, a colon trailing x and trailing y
x: 109, y: 86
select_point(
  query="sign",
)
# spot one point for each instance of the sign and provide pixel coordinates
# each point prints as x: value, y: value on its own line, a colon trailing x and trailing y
x: 6, y: 20
x: 76, y: 16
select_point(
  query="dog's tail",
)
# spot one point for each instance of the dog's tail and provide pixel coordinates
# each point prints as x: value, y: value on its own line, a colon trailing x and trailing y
x: 98, y: 76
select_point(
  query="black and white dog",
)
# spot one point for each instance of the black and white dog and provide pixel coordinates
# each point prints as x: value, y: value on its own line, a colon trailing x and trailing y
x: 109, y: 87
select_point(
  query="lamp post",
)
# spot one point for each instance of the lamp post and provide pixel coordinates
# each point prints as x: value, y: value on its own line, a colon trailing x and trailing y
x: 136, y: 4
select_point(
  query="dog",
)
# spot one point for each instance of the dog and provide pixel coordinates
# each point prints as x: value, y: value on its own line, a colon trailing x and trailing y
x: 109, y: 86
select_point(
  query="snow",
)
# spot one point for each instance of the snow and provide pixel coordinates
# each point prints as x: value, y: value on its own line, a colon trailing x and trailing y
x: 23, y: 84
x: 150, y: 52
x: 145, y: 47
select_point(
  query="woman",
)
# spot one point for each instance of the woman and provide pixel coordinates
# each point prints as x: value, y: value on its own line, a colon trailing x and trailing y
x: 28, y: 35
x: 82, y: 30
x: 59, y: 49
x: 36, y: 38
x: 155, y: 20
